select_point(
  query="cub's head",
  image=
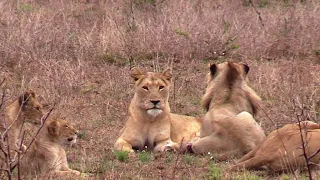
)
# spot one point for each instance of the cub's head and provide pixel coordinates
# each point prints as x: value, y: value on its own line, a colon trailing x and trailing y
x: 152, y: 91
x: 62, y: 131
x: 31, y: 108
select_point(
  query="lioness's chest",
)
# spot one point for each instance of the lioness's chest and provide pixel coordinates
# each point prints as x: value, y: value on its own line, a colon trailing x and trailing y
x: 150, y: 136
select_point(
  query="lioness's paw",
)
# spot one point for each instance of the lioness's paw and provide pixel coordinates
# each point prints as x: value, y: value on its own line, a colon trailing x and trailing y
x: 76, y: 172
x: 169, y: 148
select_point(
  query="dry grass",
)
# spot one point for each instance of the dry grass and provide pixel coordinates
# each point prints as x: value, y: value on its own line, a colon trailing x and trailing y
x: 78, y: 54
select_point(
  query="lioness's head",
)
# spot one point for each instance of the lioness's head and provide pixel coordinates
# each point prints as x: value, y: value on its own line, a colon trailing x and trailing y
x: 228, y: 72
x: 31, y: 108
x: 62, y: 131
x: 152, y: 91
x: 227, y: 79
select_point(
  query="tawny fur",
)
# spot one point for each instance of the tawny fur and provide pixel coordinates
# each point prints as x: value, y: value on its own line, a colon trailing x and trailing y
x: 47, y: 155
x: 26, y: 108
x: 149, y: 119
x: 282, y: 152
x: 184, y: 129
x: 228, y: 128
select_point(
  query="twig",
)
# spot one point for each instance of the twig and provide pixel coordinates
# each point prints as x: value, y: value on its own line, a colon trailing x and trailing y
x: 19, y: 154
x: 314, y: 154
x: 258, y: 104
x: 258, y: 13
x: 43, y: 120
x: 303, y: 141
x: 20, y: 109
x: 2, y: 96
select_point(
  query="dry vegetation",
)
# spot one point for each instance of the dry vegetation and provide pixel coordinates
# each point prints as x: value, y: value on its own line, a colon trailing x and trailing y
x: 78, y: 54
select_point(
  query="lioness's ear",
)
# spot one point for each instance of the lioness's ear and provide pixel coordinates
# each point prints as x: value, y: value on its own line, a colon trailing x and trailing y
x: 136, y: 74
x: 167, y: 74
x: 213, y: 69
x: 53, y: 128
x: 246, y: 68
x: 26, y: 95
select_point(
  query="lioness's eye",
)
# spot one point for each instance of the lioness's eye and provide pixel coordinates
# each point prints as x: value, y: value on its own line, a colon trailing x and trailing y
x: 66, y: 126
x: 161, y: 87
x: 37, y: 108
x: 145, y: 88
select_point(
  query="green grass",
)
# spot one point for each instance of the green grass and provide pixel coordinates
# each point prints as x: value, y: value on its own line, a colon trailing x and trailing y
x: 145, y: 156
x: 189, y: 159
x: 169, y: 157
x: 122, y: 155
x: 214, y: 172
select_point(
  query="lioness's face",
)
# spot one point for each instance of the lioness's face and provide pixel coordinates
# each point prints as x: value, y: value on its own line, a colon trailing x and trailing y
x: 64, y: 131
x: 152, y: 91
x: 31, y: 107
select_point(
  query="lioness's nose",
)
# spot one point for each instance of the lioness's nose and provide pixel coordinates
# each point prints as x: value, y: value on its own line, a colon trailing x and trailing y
x: 154, y: 102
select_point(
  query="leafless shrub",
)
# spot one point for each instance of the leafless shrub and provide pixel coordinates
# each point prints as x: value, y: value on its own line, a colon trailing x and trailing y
x: 302, y: 115
x: 9, y: 156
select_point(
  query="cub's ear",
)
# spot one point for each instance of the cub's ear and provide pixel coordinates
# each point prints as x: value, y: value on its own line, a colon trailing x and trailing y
x: 26, y: 95
x: 213, y: 69
x: 53, y: 128
x: 246, y: 68
x: 167, y: 74
x: 136, y: 73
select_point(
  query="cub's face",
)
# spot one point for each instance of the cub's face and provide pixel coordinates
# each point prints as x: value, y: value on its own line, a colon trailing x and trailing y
x: 63, y: 131
x: 152, y: 91
x: 31, y: 108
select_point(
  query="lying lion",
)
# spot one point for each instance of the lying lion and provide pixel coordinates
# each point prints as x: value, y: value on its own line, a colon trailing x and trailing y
x: 25, y: 109
x: 282, y: 152
x: 228, y: 127
x: 149, y: 122
x: 46, y: 155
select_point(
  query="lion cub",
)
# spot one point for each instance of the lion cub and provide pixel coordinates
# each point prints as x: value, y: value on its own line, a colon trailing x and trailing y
x: 148, y: 124
x: 24, y: 109
x: 46, y: 154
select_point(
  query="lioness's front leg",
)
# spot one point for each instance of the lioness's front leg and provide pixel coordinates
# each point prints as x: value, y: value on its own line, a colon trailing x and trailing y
x: 164, y: 143
x: 122, y: 145
x: 67, y: 172
x: 167, y: 145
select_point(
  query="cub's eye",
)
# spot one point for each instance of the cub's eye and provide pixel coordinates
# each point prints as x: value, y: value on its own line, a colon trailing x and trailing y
x: 38, y: 108
x: 161, y: 87
x: 66, y: 126
x: 145, y: 88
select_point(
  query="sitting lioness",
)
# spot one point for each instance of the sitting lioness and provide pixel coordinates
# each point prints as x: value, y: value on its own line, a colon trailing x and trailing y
x: 46, y: 155
x: 149, y: 121
x: 282, y: 150
x: 25, y: 109
x: 228, y: 128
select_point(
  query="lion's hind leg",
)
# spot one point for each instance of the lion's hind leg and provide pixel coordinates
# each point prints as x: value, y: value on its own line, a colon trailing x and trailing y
x: 204, y: 145
x: 227, y: 155
x: 252, y: 163
x: 249, y: 155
